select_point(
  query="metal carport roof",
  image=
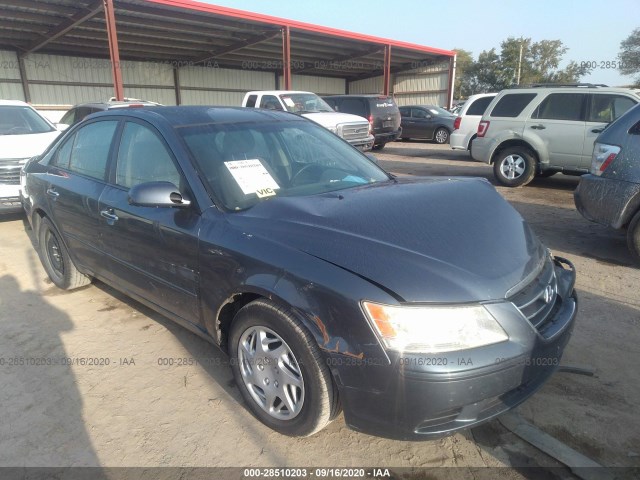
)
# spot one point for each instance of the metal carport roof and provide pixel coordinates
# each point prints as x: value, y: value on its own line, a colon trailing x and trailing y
x: 185, y: 32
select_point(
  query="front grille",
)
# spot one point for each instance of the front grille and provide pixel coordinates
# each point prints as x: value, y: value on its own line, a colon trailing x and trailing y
x: 10, y: 171
x: 354, y: 131
x: 537, y: 299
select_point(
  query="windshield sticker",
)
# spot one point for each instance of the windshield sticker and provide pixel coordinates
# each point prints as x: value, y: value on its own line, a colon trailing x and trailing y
x: 252, y: 177
x: 288, y: 102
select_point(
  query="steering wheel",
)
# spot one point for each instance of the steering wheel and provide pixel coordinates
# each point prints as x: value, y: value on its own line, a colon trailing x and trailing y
x: 306, y: 168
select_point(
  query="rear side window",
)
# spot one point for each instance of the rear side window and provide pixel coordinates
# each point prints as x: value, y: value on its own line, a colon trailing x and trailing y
x: 605, y: 108
x: 512, y: 104
x: 91, y: 147
x: 354, y: 106
x: 418, y: 113
x: 405, y: 112
x: 69, y: 117
x: 479, y: 106
x: 251, y: 101
x: 561, y: 106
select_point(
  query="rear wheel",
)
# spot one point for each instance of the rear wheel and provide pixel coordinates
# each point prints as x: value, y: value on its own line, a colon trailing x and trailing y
x: 441, y: 136
x: 279, y: 370
x: 55, y: 259
x: 514, y: 166
x: 380, y: 146
x: 633, y: 237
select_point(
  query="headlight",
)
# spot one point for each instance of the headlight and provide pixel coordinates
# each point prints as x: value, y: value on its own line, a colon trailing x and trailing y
x: 433, y: 329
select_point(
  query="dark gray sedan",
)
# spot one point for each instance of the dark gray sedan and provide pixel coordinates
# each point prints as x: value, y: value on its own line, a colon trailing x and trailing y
x: 420, y: 306
x: 426, y: 122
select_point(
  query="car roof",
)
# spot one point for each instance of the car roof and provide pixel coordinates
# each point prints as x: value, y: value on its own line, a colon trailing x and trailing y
x: 189, y: 115
x: 354, y: 95
x: 583, y: 89
x: 276, y: 92
x: 14, y: 103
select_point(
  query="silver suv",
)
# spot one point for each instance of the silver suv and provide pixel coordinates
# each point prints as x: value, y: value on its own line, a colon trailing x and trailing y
x: 546, y: 129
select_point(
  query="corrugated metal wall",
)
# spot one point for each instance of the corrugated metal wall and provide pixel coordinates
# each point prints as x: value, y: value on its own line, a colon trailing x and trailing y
x: 221, y: 86
x: 65, y: 81
x: 10, y: 86
x: 319, y: 85
x: 426, y: 85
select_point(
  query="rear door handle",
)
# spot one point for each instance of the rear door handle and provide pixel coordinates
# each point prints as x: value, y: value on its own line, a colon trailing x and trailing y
x: 109, y: 215
x: 538, y: 127
x: 52, y: 193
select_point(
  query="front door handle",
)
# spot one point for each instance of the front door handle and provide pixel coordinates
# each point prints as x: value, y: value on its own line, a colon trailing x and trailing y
x: 538, y: 127
x: 109, y: 215
x: 52, y: 193
x: 598, y: 130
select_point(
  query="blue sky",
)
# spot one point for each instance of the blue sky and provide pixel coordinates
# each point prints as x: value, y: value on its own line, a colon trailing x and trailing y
x: 592, y: 30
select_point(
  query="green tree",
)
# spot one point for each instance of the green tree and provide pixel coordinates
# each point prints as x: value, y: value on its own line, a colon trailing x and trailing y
x: 629, y: 55
x: 464, y: 64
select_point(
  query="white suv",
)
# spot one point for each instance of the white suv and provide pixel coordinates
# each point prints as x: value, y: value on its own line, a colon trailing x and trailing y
x: 546, y: 129
x: 466, y: 123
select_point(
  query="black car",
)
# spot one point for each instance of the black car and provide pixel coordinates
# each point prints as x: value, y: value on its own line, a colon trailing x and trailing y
x: 381, y: 111
x: 427, y: 122
x: 326, y: 279
x: 610, y: 194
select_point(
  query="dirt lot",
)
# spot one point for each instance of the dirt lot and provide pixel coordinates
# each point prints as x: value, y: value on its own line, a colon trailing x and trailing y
x: 60, y: 409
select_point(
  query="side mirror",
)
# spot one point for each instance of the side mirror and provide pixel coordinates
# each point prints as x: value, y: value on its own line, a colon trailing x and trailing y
x: 372, y: 157
x: 157, y: 194
x: 429, y: 117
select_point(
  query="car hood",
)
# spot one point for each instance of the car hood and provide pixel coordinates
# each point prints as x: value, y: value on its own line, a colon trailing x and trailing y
x: 331, y: 119
x: 422, y: 240
x: 25, y: 146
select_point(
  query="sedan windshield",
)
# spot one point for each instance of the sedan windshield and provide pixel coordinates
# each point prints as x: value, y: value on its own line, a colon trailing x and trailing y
x: 18, y: 120
x: 244, y: 163
x: 305, y: 103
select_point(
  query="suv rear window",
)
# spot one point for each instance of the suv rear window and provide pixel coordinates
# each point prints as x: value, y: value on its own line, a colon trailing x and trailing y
x: 479, y: 106
x: 512, y: 104
x: 382, y: 105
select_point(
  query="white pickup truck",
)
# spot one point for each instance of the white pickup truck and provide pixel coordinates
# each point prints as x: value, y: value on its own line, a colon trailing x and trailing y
x: 352, y: 128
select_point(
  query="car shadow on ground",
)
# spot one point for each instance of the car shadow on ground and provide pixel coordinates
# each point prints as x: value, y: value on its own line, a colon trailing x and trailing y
x: 42, y: 423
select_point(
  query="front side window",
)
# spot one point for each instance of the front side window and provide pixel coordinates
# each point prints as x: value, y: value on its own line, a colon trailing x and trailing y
x: 247, y: 163
x: 561, y: 106
x: 270, y: 102
x: 91, y: 147
x: 143, y: 157
x: 304, y: 103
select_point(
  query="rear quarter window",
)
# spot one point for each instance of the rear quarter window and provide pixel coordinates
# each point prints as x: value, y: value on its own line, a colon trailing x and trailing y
x: 479, y: 106
x: 512, y: 104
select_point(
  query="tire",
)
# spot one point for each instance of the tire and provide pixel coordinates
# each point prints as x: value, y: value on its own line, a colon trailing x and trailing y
x: 633, y: 237
x: 299, y: 408
x: 514, y: 166
x: 379, y: 146
x: 441, y: 136
x: 55, y: 259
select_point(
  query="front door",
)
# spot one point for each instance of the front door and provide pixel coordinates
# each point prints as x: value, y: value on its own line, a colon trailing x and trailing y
x: 153, y: 252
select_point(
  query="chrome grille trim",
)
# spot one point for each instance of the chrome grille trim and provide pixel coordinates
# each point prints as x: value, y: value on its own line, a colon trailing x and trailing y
x: 536, y: 300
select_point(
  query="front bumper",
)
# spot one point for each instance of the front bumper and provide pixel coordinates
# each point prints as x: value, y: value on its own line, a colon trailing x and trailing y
x: 607, y: 201
x: 10, y: 199
x: 363, y: 144
x: 434, y: 395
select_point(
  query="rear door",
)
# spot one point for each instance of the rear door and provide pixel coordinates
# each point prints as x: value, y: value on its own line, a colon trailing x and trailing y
x: 603, y: 108
x: 559, y: 124
x: 153, y: 252
x: 74, y: 183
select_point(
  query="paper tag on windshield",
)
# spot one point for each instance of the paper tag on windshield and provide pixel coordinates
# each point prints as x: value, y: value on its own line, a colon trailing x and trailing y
x: 252, y: 177
x: 288, y: 102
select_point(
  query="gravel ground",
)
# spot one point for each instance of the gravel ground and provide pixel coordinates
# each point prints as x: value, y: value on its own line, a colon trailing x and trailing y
x: 86, y: 385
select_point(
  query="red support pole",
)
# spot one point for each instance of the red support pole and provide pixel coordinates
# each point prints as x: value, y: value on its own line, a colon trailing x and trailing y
x: 114, y: 52
x: 452, y: 78
x: 387, y: 69
x: 286, y: 57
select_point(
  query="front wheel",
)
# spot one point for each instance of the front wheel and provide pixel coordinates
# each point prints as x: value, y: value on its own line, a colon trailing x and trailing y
x: 441, y: 136
x: 279, y: 370
x: 378, y: 147
x: 514, y: 166
x: 56, y: 260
